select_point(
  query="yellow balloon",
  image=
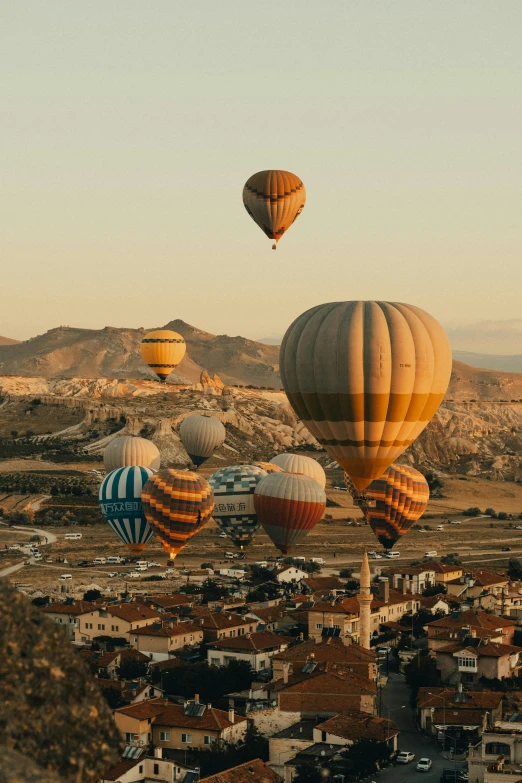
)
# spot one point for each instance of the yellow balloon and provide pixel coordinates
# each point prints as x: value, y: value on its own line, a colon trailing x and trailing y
x: 365, y: 378
x: 163, y: 350
x: 274, y: 199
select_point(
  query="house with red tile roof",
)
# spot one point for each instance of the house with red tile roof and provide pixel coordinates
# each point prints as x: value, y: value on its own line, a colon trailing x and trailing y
x: 473, y: 622
x: 256, y: 649
x: 116, y: 620
x: 66, y: 614
x: 350, y: 726
x: 223, y: 625
x: 254, y: 771
x: 163, y: 638
x: 326, y: 694
x: 147, y: 767
x: 351, y: 657
x: 441, y: 706
x: 469, y: 659
x: 189, y: 726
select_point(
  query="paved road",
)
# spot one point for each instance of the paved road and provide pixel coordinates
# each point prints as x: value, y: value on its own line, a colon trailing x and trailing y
x: 396, y: 694
x: 45, y: 535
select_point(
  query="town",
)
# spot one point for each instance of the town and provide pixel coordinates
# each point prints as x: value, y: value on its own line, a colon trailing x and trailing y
x: 325, y: 678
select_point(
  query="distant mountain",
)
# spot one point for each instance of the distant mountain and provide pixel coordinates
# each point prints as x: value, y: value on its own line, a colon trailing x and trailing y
x: 115, y: 353
x: 490, y: 361
x: 270, y: 340
x: 8, y: 341
x: 488, y: 337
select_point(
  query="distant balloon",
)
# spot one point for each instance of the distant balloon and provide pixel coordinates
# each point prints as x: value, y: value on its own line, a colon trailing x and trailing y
x: 120, y: 503
x: 234, y: 509
x: 177, y: 504
x: 126, y: 451
x: 289, y: 506
x: 396, y: 501
x: 274, y: 199
x: 365, y: 378
x: 297, y: 463
x: 201, y: 435
x: 163, y: 350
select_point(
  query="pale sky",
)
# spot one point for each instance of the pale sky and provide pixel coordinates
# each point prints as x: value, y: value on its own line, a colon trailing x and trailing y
x: 128, y: 128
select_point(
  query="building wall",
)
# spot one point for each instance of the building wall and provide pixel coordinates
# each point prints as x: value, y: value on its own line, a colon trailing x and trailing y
x: 68, y: 622
x: 271, y: 721
x: 127, y: 725
x: 258, y: 661
x: 230, y: 734
x: 159, y: 647
x: 105, y: 624
x: 284, y: 749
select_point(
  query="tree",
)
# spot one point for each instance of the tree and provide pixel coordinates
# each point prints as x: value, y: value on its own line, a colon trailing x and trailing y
x: 345, y: 573
x: 435, y: 484
x: 365, y: 757
x: 92, y: 595
x: 132, y: 669
x: 452, y: 558
x: 44, y: 600
x: 224, y: 755
x: 514, y: 568
x: 434, y: 590
x: 490, y: 512
x: 308, y: 773
x: 474, y: 511
x: 113, y: 698
x: 421, y: 672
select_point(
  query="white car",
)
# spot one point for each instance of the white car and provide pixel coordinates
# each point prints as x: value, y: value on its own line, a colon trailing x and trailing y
x: 170, y: 571
x: 424, y: 765
x: 153, y: 564
x: 376, y: 556
x: 15, y: 546
x: 404, y: 757
x: 456, y: 522
x: 112, y: 574
x: 372, y: 552
x: 518, y: 527
x: 65, y: 577
x: 134, y: 574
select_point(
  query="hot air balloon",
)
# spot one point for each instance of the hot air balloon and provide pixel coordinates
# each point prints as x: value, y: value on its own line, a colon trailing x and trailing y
x: 177, y: 504
x: 297, y: 463
x: 274, y: 199
x: 268, y: 467
x: 201, y: 435
x: 288, y: 506
x: 125, y: 451
x: 396, y: 500
x: 120, y: 503
x: 234, y: 501
x: 162, y: 351
x: 365, y: 378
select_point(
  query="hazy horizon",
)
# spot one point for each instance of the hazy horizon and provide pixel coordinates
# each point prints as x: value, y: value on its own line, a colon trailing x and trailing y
x: 129, y: 130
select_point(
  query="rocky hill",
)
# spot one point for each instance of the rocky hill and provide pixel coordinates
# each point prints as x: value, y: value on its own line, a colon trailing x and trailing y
x: 8, y: 341
x: 115, y: 353
x: 491, y: 361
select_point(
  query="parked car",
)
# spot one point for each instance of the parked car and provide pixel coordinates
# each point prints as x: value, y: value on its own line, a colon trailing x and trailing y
x: 518, y: 527
x: 14, y: 546
x: 222, y: 535
x: 170, y: 571
x: 133, y: 574
x: 65, y: 577
x: 83, y: 563
x: 455, y: 522
x: 99, y: 561
x: 153, y: 564
x: 112, y: 574
x: 404, y: 757
x: 506, y: 549
x: 424, y: 765
x: 376, y: 556
x: 372, y: 552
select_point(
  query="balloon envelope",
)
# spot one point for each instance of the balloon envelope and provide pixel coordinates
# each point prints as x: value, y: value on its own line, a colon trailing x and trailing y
x: 201, y: 435
x: 177, y: 504
x: 126, y: 450
x: 234, y: 510
x: 163, y: 350
x: 274, y: 199
x: 268, y: 467
x: 120, y: 503
x: 297, y: 463
x: 365, y: 378
x: 288, y: 506
x: 397, y: 499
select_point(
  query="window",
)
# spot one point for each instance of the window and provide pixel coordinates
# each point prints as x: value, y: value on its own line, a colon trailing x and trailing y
x: 214, y: 661
x: 318, y: 626
x: 164, y: 736
x: 100, y: 627
x: 140, y: 769
x: 262, y: 664
x: 131, y: 737
x: 498, y: 749
x: 468, y: 662
x: 156, y: 769
x: 187, y: 738
x: 207, y: 740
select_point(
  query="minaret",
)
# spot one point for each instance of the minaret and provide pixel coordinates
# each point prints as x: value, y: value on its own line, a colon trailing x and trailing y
x: 365, y: 602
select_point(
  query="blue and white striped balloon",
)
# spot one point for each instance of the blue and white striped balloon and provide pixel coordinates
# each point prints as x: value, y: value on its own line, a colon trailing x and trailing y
x: 120, y: 503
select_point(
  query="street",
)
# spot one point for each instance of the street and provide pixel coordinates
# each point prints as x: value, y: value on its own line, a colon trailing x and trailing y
x: 396, y: 694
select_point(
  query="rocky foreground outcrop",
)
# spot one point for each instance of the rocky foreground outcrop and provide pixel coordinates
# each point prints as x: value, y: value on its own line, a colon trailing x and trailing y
x: 53, y: 719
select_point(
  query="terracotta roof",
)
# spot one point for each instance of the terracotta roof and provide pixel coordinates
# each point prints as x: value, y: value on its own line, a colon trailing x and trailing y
x: 354, y: 725
x: 489, y: 650
x: 472, y: 618
x: 442, y: 568
x: 167, y: 629
x: 132, y: 612
x: 431, y: 697
x: 77, y: 608
x: 220, y: 620
x: 409, y: 570
x: 457, y: 715
x: 170, y: 600
x: 315, y: 583
x: 144, y: 709
x: 325, y: 683
x: 331, y: 649
x: 485, y: 578
x: 262, y: 640
x: 212, y: 719
x: 254, y: 771
x: 119, y: 769
x: 349, y: 606
x: 429, y: 601
x: 269, y: 614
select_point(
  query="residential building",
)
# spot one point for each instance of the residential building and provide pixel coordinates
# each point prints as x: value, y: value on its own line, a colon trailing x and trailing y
x: 255, y: 771
x: 256, y: 649
x: 107, y: 664
x: 350, y: 726
x: 444, y: 573
x: 222, y: 625
x: 325, y: 694
x: 323, y: 585
x: 116, y: 620
x: 411, y: 579
x: 283, y: 745
x: 138, y: 767
x: 459, y: 713
x: 497, y: 755
x: 498, y: 628
x: 287, y: 574
x: 192, y: 725
x: 161, y: 639
x: 351, y: 657
x: 469, y: 660
x: 66, y: 614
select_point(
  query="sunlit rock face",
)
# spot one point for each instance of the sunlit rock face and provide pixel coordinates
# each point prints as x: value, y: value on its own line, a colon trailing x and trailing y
x: 52, y: 714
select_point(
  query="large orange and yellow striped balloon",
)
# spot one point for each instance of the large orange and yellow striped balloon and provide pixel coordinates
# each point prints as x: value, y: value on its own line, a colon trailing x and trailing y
x: 274, y: 199
x: 177, y: 505
x: 163, y: 350
x: 365, y: 378
x: 288, y: 506
x: 395, y: 501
